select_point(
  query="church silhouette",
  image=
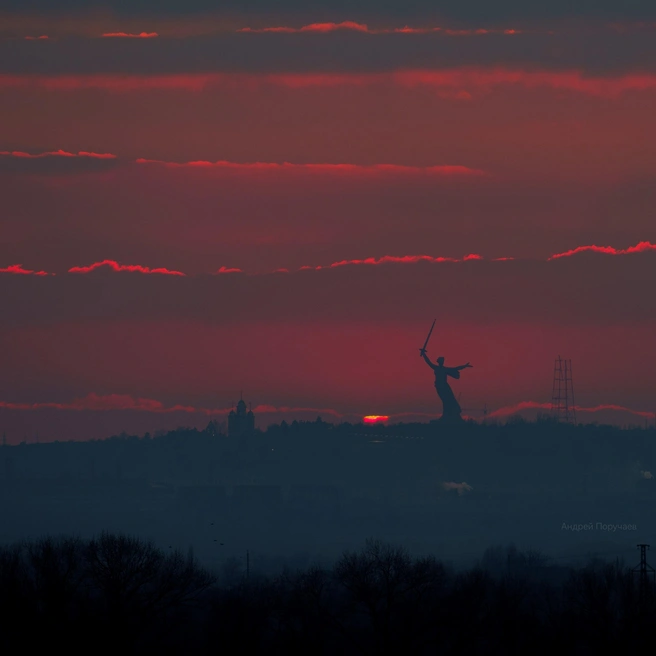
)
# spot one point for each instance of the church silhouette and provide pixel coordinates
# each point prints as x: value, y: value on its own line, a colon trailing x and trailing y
x: 241, y: 422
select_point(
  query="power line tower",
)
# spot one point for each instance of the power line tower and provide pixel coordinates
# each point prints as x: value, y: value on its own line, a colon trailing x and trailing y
x: 562, y: 394
x: 644, y: 572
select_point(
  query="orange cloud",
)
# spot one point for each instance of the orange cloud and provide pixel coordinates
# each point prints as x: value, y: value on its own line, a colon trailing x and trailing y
x: 270, y: 409
x: 115, y: 266
x: 416, y: 30
x: 126, y: 35
x: 456, y: 81
x: 123, y: 402
x: 640, y: 247
x: 55, y: 153
x: 617, y: 408
x: 319, y: 168
x: 324, y: 28
x: 43, y: 37
x: 84, y: 153
x: 506, y: 411
x: 117, y: 83
x: 413, y: 259
x: 19, y: 270
x: 313, y: 27
x: 488, y: 78
x: 395, y: 259
x: 95, y: 402
x: 533, y: 405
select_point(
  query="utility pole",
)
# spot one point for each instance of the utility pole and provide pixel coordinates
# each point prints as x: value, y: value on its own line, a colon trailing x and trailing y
x: 644, y: 572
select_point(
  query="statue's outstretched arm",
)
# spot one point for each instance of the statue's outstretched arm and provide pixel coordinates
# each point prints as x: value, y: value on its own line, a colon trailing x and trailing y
x: 428, y: 362
x: 463, y: 366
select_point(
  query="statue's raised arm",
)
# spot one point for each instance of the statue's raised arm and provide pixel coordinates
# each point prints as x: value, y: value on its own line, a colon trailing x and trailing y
x: 427, y: 360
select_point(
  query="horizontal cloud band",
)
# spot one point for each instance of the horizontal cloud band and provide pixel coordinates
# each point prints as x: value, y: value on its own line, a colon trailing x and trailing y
x: 533, y: 405
x: 477, y: 78
x: 123, y: 402
x: 55, y: 153
x: 351, y: 26
x: 640, y: 247
x: 273, y: 167
x: 18, y: 269
x: 319, y: 168
x: 128, y: 35
x: 113, y: 265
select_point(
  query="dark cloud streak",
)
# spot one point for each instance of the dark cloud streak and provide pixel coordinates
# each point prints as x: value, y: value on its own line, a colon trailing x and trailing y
x: 56, y: 162
x: 360, y: 10
x: 602, y: 52
x: 588, y: 288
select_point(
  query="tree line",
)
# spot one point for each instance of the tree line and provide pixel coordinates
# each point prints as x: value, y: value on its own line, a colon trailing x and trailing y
x: 119, y: 594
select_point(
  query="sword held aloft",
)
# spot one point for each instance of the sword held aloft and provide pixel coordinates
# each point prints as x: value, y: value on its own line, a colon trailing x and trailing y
x: 422, y: 351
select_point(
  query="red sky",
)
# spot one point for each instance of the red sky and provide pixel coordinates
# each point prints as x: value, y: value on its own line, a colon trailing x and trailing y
x: 212, y: 150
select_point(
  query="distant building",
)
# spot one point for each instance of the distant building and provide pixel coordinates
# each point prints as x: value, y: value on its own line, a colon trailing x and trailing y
x: 241, y: 422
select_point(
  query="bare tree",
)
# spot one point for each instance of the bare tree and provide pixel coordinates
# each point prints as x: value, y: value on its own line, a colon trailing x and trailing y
x: 469, y: 606
x: 391, y: 591
x: 603, y: 605
x: 57, y: 571
x: 16, y: 599
x: 43, y: 581
x: 312, y: 618
x: 136, y: 584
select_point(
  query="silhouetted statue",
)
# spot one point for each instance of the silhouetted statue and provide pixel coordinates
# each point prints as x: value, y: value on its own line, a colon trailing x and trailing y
x: 450, y: 407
